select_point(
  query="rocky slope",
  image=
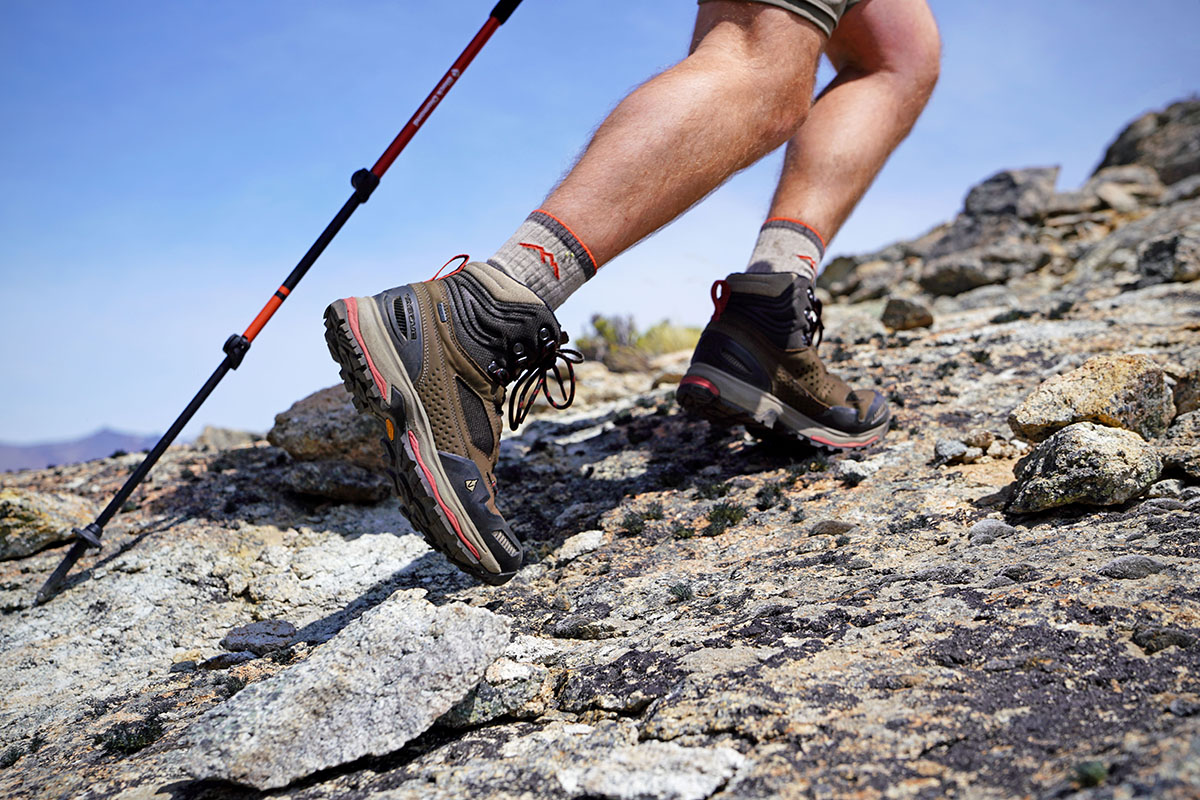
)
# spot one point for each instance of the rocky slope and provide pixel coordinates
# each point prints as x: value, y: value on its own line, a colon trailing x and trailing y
x: 1001, y: 601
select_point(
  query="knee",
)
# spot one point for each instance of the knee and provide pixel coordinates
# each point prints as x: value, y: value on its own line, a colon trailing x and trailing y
x: 905, y: 47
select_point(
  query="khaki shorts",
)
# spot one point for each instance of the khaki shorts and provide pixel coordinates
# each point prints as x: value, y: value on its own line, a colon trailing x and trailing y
x: 822, y: 13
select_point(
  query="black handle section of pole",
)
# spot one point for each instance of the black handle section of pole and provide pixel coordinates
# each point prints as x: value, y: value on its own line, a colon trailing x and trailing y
x: 504, y: 10
x: 236, y: 346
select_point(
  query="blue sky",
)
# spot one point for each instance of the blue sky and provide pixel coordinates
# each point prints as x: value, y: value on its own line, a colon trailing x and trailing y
x: 164, y: 165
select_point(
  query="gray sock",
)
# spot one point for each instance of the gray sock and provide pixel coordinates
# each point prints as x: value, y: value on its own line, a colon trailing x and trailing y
x: 787, y: 245
x: 545, y: 256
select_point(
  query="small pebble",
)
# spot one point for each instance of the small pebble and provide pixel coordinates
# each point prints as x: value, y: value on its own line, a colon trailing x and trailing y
x: 948, y: 450
x: 1131, y: 567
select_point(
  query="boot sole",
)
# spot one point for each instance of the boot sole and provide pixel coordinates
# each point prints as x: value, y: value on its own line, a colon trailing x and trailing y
x: 723, y: 399
x: 425, y: 492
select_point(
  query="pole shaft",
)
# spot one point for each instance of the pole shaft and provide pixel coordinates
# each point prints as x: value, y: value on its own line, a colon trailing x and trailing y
x: 448, y: 80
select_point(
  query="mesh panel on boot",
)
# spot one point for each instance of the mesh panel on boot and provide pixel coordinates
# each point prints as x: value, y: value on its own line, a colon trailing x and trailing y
x: 476, y: 417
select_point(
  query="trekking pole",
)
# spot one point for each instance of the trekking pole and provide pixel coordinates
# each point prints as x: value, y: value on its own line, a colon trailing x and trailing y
x: 364, y: 182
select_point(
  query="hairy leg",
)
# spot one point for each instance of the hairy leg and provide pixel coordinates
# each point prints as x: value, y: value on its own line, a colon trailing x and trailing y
x: 886, y: 53
x: 740, y: 94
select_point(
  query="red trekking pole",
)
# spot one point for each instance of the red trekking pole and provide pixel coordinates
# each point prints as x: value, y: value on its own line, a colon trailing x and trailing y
x: 364, y: 182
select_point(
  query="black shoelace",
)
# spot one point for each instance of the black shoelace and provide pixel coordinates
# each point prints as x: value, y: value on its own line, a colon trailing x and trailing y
x: 814, y: 328
x: 535, y: 373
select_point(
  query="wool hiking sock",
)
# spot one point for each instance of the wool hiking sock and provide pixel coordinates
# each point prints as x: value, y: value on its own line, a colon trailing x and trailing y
x: 787, y: 245
x: 547, y: 257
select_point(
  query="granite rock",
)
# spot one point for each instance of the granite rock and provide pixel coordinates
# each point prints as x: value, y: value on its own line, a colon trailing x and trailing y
x: 1173, y: 257
x: 326, y: 427
x: 1125, y: 391
x: 31, y: 521
x: 1084, y: 463
x: 375, y: 686
x: 1018, y: 192
x: 904, y: 315
x: 1180, y: 447
x: 1167, y: 140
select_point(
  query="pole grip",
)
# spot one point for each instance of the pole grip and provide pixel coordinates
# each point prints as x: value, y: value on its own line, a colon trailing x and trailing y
x: 504, y: 10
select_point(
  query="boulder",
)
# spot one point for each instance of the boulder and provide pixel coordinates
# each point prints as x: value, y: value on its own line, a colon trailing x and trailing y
x: 1167, y: 140
x: 1084, y: 463
x: 1017, y: 192
x: 31, y: 521
x: 368, y: 691
x: 1121, y: 391
x: 1174, y: 257
x: 325, y: 426
x: 1180, y: 447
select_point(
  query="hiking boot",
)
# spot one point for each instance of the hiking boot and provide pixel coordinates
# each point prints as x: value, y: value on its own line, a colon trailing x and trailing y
x: 432, y: 360
x: 756, y: 365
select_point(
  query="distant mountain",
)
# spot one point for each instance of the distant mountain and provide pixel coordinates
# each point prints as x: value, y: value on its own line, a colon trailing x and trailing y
x: 100, y: 444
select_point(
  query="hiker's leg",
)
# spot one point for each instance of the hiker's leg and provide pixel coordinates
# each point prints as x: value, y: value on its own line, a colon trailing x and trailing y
x: 886, y: 53
x: 740, y: 94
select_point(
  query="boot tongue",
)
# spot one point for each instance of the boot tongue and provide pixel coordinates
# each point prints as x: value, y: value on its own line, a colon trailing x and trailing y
x: 501, y: 325
x: 779, y: 303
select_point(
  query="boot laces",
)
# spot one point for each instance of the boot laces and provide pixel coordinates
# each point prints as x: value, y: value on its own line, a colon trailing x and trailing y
x: 814, y: 328
x: 533, y: 373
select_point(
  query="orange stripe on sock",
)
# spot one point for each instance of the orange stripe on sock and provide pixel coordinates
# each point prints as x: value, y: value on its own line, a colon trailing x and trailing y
x: 582, y: 243
x: 801, y: 224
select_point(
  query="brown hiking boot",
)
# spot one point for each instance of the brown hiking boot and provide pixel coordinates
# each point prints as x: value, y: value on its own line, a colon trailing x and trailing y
x: 756, y: 365
x: 432, y: 360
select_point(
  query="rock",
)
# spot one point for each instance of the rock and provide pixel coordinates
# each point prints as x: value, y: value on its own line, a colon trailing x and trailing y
x: 1020, y: 573
x: 1167, y: 140
x: 1131, y: 567
x: 1155, y: 638
x: 621, y: 358
x: 1132, y: 180
x: 1180, y: 447
x: 971, y: 455
x: 579, y: 626
x: 31, y: 521
x: 658, y: 770
x: 216, y: 438
x: 508, y: 689
x: 1021, y: 192
x: 579, y: 544
x: 904, y: 315
x: 1174, y: 257
x: 948, y: 451
x: 1171, y: 488
x: 855, y: 472
x: 368, y: 691
x: 1123, y: 391
x: 1117, y: 198
x: 341, y: 481
x: 1119, y: 248
x: 955, y: 274
x: 970, y: 233
x: 1186, y: 189
x: 260, y: 637
x: 831, y: 527
x: 1084, y: 463
x: 987, y: 531
x: 227, y: 660
x: 1071, y: 203
x: 326, y: 427
x: 983, y: 439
